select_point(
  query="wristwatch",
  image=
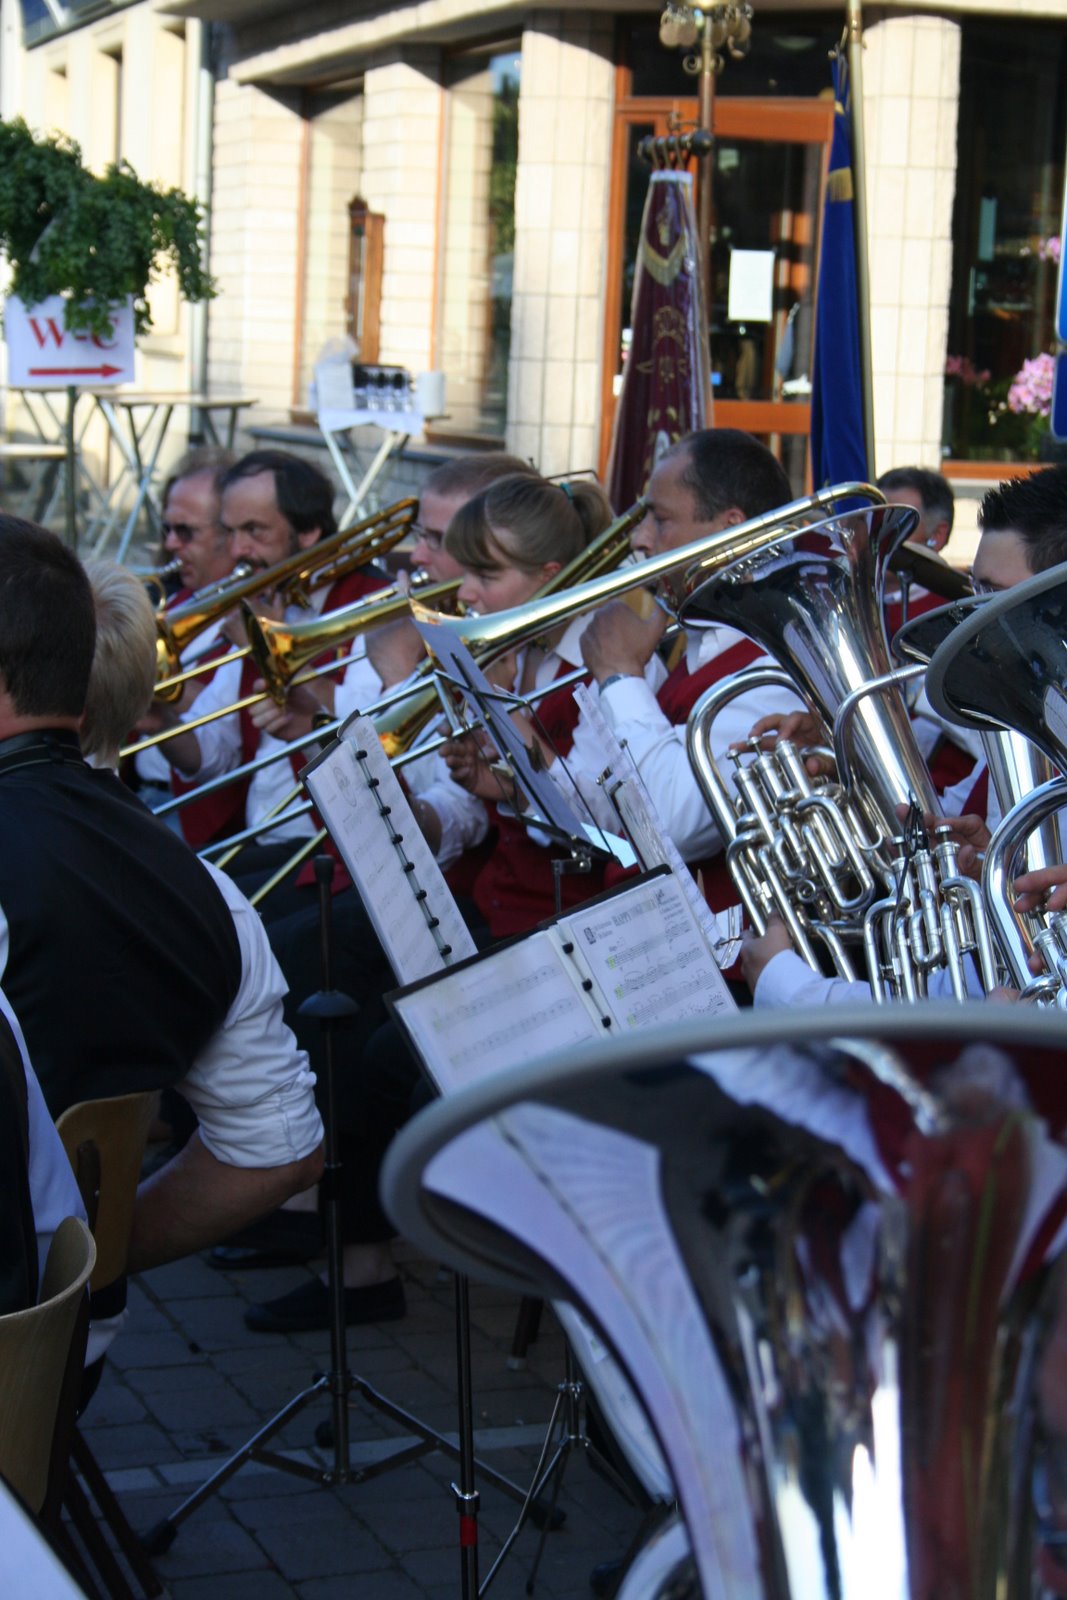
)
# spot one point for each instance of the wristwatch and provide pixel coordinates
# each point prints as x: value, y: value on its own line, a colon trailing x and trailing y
x: 617, y: 677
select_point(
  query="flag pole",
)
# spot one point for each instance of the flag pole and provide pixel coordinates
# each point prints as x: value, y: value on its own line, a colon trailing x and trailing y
x: 854, y: 30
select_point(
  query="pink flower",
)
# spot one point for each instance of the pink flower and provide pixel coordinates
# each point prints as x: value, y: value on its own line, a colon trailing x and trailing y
x: 1049, y: 249
x: 963, y: 368
x: 1031, y: 387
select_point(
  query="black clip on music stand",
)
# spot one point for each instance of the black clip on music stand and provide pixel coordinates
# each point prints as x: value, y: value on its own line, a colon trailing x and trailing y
x: 331, y: 1007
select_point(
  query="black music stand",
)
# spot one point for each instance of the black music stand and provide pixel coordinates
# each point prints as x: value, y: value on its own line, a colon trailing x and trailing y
x: 330, y: 1007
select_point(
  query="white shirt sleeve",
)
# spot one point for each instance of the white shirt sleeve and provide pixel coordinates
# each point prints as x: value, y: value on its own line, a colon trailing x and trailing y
x: 251, y: 1086
x: 463, y: 817
x: 360, y: 687
x: 54, y: 1192
x: 787, y: 982
x: 658, y: 748
x: 219, y: 741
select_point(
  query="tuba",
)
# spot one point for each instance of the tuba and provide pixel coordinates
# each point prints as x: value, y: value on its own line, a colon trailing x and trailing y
x: 832, y: 857
x: 1003, y: 670
x: 830, y: 1269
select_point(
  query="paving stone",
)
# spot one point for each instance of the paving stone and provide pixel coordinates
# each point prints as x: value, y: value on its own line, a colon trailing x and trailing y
x: 206, y: 1408
x: 131, y: 1444
x: 314, y: 1547
x: 181, y: 1280
x: 207, y: 1546
x: 264, y: 1585
x: 133, y: 1350
x: 391, y: 1585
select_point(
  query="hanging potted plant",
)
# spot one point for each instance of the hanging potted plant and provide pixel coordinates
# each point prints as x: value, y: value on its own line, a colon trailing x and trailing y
x: 95, y: 241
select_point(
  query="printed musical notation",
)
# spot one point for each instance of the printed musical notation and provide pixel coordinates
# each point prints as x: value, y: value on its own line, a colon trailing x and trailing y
x: 406, y: 897
x: 649, y: 955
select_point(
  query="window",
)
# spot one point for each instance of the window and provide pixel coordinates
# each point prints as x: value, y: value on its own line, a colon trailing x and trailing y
x: 480, y: 157
x: 1006, y: 229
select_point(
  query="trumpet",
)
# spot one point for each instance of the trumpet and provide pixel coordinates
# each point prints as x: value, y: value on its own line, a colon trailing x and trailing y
x: 293, y: 579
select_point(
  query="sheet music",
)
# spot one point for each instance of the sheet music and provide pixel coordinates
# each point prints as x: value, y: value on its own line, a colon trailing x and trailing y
x: 390, y: 862
x: 554, y: 811
x: 588, y: 1199
x: 511, y: 1007
x: 645, y: 828
x: 648, y: 955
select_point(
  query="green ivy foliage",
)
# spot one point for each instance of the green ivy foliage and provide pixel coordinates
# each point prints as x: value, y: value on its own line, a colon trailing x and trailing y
x: 95, y: 240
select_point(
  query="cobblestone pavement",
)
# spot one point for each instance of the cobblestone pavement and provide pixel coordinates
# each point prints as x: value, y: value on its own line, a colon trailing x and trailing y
x: 187, y: 1383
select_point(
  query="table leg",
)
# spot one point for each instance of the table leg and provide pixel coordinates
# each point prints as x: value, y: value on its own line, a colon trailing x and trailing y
x: 145, y: 471
x: 71, y: 481
x: 391, y: 445
x: 338, y: 457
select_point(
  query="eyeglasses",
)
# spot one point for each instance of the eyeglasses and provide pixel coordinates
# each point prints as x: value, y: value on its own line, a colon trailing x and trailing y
x: 431, y: 537
x: 181, y: 531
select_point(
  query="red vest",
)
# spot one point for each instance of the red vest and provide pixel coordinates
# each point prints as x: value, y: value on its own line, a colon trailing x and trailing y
x: 218, y: 815
x: 676, y: 699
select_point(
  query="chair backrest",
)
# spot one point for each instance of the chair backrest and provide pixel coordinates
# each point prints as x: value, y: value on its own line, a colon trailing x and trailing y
x: 104, y: 1141
x: 35, y: 1352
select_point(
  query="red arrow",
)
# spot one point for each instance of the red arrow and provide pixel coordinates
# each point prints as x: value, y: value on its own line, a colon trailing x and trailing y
x: 74, y: 372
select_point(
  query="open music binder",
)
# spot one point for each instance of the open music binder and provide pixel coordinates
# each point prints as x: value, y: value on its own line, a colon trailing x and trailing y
x: 634, y: 957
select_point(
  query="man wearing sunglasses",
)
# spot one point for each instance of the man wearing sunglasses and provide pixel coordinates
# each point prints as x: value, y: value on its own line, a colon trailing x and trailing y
x: 193, y: 533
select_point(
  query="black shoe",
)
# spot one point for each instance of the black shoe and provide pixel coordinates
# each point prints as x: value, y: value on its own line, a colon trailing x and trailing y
x: 605, y: 1578
x: 307, y: 1308
x: 279, y: 1240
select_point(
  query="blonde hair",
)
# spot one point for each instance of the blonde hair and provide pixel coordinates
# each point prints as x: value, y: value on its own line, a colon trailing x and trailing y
x: 524, y: 521
x: 123, y: 675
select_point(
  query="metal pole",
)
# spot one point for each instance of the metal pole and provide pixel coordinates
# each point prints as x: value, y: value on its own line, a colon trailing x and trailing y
x: 859, y: 222
x: 706, y: 207
x: 72, y: 464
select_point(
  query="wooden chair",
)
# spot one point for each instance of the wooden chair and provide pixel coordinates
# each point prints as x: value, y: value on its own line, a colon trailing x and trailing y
x: 105, y: 1141
x: 41, y: 1351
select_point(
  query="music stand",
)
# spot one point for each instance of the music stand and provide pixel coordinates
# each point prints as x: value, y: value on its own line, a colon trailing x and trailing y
x: 330, y: 1007
x: 807, y: 1240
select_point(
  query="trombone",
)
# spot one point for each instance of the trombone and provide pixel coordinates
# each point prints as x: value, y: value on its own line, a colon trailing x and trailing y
x: 292, y: 578
x: 399, y: 728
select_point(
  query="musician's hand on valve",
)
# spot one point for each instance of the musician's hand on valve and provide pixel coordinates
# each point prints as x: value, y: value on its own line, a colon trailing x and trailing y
x: 969, y: 832
x: 758, y: 949
x: 1045, y: 889
x: 618, y: 642
x: 802, y: 728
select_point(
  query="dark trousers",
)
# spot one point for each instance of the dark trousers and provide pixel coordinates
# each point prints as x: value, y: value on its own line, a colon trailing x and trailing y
x: 378, y: 1082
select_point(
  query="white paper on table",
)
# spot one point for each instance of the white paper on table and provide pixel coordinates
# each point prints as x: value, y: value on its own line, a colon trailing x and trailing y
x: 338, y: 785
x: 751, y: 293
x: 334, y: 389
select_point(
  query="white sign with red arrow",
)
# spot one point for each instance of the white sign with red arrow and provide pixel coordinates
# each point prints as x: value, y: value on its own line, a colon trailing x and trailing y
x: 43, y: 353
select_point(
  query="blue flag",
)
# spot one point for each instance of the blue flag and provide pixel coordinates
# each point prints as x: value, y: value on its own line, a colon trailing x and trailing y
x: 838, y: 448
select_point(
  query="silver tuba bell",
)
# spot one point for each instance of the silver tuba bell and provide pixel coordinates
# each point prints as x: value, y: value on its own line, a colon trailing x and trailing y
x: 828, y: 1267
x: 1003, y: 670
x: 832, y: 857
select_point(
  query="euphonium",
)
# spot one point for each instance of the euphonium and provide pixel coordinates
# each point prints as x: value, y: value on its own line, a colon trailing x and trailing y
x: 828, y: 1258
x: 832, y: 857
x: 293, y: 579
x: 1003, y: 670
